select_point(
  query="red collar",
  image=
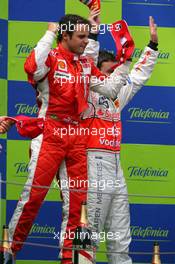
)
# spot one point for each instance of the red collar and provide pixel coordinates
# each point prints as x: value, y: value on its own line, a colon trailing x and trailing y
x: 69, y: 55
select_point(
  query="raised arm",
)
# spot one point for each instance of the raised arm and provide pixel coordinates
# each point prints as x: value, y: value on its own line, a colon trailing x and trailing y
x: 37, y: 65
x: 143, y: 69
x: 108, y: 86
x: 92, y: 49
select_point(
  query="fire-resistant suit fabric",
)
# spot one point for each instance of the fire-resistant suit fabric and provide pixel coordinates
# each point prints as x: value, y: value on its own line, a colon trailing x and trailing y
x: 61, y: 98
x: 108, y: 207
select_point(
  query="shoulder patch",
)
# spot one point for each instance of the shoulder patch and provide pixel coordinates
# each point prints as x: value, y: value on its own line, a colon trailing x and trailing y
x: 62, y: 65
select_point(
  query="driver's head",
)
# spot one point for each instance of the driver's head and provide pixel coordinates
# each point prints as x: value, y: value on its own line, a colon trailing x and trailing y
x: 106, y: 60
x: 73, y: 33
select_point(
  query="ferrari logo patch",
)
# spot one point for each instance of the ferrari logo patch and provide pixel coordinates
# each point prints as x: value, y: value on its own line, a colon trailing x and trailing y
x: 62, y: 65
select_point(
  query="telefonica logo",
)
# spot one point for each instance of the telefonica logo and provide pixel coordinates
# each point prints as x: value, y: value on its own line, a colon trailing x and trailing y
x: 21, y: 167
x: 149, y: 231
x: 149, y: 113
x: 135, y: 171
x: 23, y: 49
x: 39, y: 229
x: 162, y: 55
x: 26, y: 109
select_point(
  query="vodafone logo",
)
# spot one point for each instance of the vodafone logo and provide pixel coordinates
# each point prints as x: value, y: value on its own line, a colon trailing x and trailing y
x: 111, y: 143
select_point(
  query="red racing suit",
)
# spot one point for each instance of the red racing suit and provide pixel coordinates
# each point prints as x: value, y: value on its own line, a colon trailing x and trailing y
x: 62, y: 97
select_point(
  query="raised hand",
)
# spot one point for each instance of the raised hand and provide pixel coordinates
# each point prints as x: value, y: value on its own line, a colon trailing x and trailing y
x: 94, y: 19
x: 153, y: 30
x: 54, y: 27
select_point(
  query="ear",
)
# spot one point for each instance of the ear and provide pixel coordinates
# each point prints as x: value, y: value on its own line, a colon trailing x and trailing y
x: 65, y: 36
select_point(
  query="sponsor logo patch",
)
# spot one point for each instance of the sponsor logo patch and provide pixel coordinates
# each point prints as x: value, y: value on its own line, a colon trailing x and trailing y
x: 62, y: 65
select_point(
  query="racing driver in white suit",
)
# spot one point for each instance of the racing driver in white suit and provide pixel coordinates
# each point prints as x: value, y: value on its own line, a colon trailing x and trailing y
x: 108, y: 207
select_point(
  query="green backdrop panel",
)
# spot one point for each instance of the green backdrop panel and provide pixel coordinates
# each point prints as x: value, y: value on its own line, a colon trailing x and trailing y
x: 3, y: 101
x: 2, y: 215
x: 3, y: 93
x: 113, y: 7
x: 4, y: 9
x: 17, y: 166
x: 101, y: 257
x: 149, y: 170
x: 166, y: 58
x: 23, y: 37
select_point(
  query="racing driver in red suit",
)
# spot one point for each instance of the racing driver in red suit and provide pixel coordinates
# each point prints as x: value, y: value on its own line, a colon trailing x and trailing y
x: 61, y: 77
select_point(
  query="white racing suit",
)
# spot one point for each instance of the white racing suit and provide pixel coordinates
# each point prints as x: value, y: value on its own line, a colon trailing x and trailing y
x: 108, y: 207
